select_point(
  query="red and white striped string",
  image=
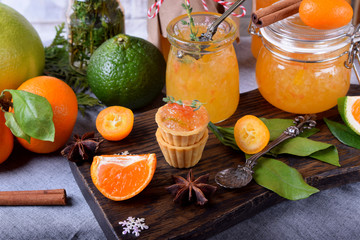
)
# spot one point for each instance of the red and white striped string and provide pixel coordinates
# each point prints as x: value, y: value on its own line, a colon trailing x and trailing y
x: 226, y: 5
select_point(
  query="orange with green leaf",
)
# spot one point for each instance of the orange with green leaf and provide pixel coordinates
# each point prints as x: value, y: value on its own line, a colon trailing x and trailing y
x: 64, y: 108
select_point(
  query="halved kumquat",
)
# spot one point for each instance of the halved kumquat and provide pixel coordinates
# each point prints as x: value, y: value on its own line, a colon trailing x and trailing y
x: 251, y: 134
x: 120, y: 177
x: 115, y: 123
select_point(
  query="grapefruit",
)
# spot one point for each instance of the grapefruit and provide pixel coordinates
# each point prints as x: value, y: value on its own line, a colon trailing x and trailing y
x: 21, y: 50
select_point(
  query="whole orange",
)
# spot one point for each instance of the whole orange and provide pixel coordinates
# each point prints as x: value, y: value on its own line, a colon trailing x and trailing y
x: 325, y: 14
x: 65, y: 109
x: 6, y: 139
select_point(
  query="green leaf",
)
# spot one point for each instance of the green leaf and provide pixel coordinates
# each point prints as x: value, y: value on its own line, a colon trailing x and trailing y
x: 329, y: 155
x: 14, y: 126
x: 33, y: 115
x: 224, y: 135
x: 277, y: 126
x: 343, y: 133
x: 282, y: 179
x: 183, y: 22
x: 302, y: 147
x: 85, y: 101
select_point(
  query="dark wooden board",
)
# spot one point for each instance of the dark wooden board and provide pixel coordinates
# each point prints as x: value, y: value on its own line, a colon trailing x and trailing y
x: 167, y: 220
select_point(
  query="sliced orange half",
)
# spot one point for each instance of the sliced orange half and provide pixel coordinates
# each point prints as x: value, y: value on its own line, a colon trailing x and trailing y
x: 120, y: 177
x: 251, y: 134
x: 115, y: 123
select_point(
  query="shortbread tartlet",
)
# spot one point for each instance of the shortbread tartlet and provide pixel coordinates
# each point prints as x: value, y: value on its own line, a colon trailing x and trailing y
x: 182, y: 132
x: 182, y: 125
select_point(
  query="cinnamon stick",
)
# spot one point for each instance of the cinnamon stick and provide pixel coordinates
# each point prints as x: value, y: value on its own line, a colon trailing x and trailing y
x: 275, y: 12
x: 33, y: 198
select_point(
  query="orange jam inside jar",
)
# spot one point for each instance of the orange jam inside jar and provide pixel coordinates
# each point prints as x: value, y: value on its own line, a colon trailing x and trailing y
x: 205, y: 71
x: 302, y: 70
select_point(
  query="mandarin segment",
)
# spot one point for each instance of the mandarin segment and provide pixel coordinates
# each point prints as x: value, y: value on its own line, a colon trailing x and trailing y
x: 120, y: 177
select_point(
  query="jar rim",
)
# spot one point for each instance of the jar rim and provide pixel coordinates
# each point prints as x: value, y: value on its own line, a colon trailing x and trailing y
x: 171, y: 33
x: 292, y: 35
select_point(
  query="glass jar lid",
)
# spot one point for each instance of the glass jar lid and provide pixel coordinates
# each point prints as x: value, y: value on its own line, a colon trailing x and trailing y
x: 293, y: 36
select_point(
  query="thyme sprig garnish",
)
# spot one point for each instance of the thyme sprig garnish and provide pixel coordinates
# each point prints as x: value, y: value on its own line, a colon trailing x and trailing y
x: 196, y: 104
x: 193, y: 33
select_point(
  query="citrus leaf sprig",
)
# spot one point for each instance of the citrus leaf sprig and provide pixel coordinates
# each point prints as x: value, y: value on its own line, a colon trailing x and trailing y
x: 193, y: 33
x: 276, y: 175
x: 196, y: 104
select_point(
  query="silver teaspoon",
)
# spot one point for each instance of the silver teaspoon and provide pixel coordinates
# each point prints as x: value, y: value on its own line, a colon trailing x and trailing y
x: 213, y: 28
x: 242, y: 175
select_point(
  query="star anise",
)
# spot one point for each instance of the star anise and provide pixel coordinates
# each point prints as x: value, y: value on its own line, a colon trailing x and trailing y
x: 82, y: 148
x: 183, y: 189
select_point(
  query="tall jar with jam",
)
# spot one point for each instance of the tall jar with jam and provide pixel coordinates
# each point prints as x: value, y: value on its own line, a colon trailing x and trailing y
x: 256, y: 42
x: 89, y: 24
x: 204, y: 71
x: 303, y: 70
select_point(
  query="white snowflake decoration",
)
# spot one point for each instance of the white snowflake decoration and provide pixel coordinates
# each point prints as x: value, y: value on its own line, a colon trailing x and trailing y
x: 136, y: 225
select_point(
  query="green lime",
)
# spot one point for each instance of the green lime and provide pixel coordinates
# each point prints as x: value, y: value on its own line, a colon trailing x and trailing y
x: 349, y: 109
x: 126, y: 71
x: 21, y: 51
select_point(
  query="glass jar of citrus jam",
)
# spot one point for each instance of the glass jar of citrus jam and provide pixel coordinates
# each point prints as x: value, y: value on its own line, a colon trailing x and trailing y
x: 204, y: 71
x: 302, y: 70
x: 256, y: 42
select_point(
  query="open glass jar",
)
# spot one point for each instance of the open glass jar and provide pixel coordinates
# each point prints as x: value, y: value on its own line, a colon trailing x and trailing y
x: 89, y: 24
x: 302, y: 70
x: 256, y: 42
x: 205, y: 71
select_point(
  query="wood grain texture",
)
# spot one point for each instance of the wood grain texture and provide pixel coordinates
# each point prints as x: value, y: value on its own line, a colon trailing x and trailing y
x: 167, y: 220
